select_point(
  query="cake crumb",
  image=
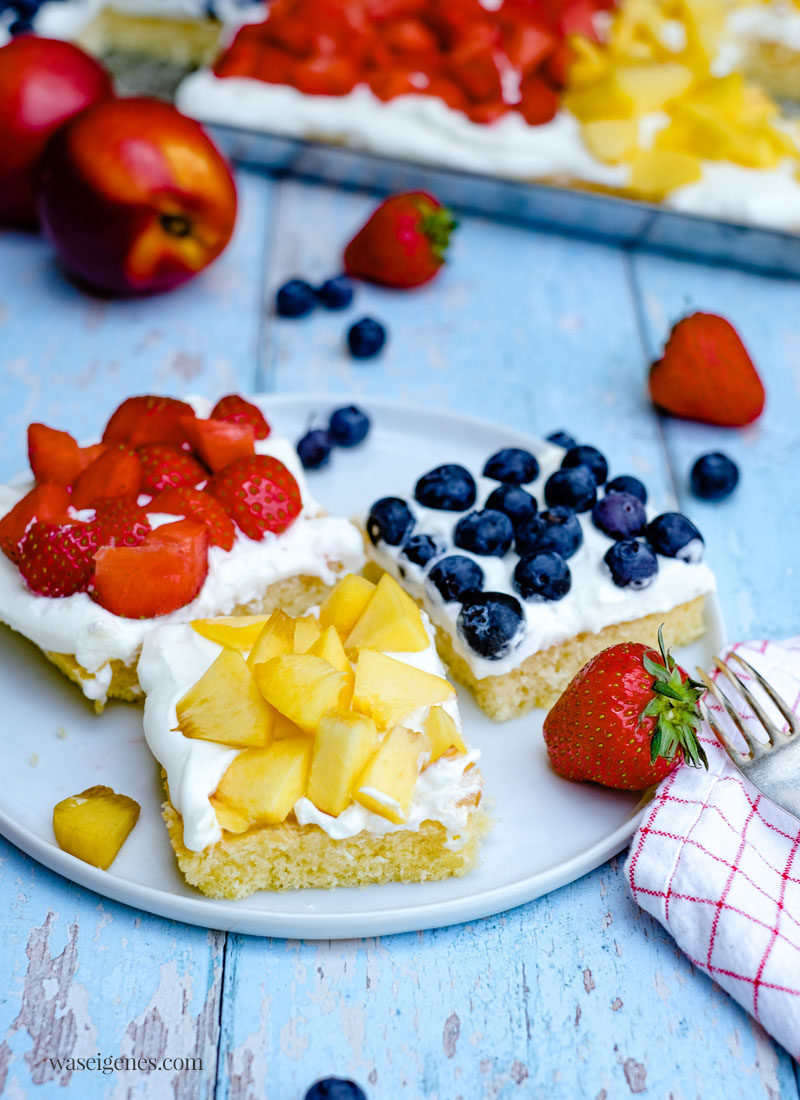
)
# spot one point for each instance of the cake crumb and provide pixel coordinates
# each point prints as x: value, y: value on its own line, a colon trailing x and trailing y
x: 61, y: 733
x: 33, y: 760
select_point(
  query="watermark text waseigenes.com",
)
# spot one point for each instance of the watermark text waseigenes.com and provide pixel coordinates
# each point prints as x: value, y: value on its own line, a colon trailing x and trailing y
x: 108, y: 1064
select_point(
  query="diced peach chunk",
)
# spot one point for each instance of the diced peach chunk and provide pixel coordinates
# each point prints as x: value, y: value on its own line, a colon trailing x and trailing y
x: 94, y: 824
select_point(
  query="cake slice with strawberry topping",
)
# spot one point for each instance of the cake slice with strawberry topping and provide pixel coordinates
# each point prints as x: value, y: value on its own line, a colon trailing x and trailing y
x: 185, y: 509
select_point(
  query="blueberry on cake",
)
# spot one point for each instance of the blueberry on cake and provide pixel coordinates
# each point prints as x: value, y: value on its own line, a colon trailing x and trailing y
x: 314, y: 751
x: 539, y: 562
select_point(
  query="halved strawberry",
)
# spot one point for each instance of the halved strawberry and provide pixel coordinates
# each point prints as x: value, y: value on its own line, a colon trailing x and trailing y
x: 200, y: 506
x: 47, y: 503
x: 166, y: 467
x: 56, y: 457
x: 148, y: 419
x: 119, y: 521
x: 235, y: 409
x: 258, y: 493
x: 57, y: 559
x: 218, y: 442
x: 117, y: 472
x: 163, y: 573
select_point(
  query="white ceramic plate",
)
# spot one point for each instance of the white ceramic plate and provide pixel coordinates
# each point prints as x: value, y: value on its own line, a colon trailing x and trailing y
x: 549, y: 831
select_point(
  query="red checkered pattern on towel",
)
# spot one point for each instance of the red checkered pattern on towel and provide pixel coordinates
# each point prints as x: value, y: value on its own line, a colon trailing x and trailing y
x: 718, y: 865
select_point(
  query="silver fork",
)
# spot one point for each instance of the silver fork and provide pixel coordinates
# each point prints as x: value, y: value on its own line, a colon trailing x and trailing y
x: 772, y: 766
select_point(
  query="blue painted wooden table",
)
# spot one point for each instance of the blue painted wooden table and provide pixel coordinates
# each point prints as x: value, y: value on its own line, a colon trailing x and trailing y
x: 578, y: 994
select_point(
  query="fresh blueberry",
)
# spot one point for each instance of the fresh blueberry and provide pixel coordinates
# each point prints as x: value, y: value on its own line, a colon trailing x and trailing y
x: 336, y: 293
x: 314, y: 449
x: 562, y: 439
x: 556, y: 529
x: 295, y: 299
x: 518, y: 505
x: 448, y: 488
x: 620, y: 515
x: 420, y: 549
x: 348, y: 426
x: 513, y: 465
x: 632, y: 563
x: 487, y: 533
x: 489, y: 622
x: 714, y: 476
x: 542, y: 576
x: 625, y: 483
x: 389, y: 521
x: 573, y: 488
x: 335, y: 1088
x: 674, y: 536
x: 366, y: 338
x: 584, y: 455
x: 455, y: 575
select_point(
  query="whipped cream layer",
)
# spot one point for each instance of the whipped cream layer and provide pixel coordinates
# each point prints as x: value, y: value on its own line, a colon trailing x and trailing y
x: 592, y: 603
x: 236, y: 578
x: 424, y: 129
x: 175, y: 657
x: 67, y: 18
x: 777, y: 22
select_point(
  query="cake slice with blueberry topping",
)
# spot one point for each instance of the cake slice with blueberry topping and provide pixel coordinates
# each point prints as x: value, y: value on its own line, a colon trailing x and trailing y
x: 535, y: 564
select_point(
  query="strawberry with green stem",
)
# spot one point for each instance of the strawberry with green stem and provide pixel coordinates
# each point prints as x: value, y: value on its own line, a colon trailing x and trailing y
x: 626, y: 719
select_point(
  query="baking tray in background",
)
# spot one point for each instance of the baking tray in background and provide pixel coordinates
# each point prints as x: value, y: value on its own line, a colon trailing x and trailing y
x: 580, y: 213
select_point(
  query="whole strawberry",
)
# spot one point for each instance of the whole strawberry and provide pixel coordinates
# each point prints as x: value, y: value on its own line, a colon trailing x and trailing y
x: 626, y: 719
x: 259, y: 494
x: 706, y: 374
x: 404, y: 242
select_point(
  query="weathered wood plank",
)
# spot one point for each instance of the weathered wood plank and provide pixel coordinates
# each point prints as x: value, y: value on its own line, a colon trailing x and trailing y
x: 579, y: 994
x: 83, y: 975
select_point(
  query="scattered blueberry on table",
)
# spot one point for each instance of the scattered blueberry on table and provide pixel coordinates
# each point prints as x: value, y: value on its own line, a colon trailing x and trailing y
x: 714, y: 476
x: 335, y: 1088
x: 632, y: 563
x: 348, y: 426
x: 336, y: 293
x: 296, y: 298
x: 314, y: 449
x: 366, y: 338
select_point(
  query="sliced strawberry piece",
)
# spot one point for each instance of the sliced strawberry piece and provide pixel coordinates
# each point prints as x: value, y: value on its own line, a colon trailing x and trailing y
x: 259, y: 494
x: 487, y: 112
x: 55, y: 456
x: 117, y: 472
x: 218, y: 442
x: 527, y: 46
x: 166, y: 467
x: 409, y: 38
x: 238, y: 411
x: 558, y: 64
x: 47, y: 503
x: 163, y: 573
x: 148, y: 419
x: 119, y: 521
x: 474, y: 68
x: 539, y: 101
x: 706, y: 374
x: 57, y: 559
x: 200, y: 506
x: 324, y: 75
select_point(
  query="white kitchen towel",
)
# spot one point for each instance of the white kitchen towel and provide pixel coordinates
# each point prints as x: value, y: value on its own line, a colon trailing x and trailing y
x: 718, y: 865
